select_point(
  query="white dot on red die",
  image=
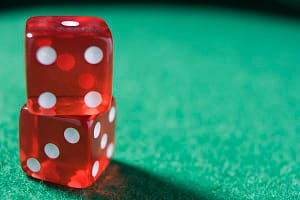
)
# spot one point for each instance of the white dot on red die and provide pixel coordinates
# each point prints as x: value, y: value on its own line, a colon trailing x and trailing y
x: 33, y: 164
x: 93, y: 55
x: 71, y: 135
x: 46, y: 55
x: 70, y: 23
x: 29, y: 35
x: 93, y: 99
x: 110, y: 150
x: 97, y: 130
x: 51, y: 150
x: 112, y: 114
x: 103, y: 141
x: 95, y: 168
x: 47, y: 100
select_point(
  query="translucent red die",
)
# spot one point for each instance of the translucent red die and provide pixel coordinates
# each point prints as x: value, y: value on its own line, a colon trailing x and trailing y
x: 67, y: 150
x: 68, y: 65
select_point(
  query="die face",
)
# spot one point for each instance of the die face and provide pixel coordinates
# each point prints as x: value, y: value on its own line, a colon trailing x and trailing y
x: 53, y: 149
x: 68, y: 65
x: 65, y: 150
x: 65, y: 26
x: 103, y: 143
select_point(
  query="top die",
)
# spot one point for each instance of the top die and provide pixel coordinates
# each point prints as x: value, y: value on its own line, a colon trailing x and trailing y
x: 68, y: 65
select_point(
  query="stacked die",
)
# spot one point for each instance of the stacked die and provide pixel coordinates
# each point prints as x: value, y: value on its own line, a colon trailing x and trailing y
x: 67, y: 126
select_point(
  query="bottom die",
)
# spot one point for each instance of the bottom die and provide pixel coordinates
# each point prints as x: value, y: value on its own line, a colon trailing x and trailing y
x: 67, y: 150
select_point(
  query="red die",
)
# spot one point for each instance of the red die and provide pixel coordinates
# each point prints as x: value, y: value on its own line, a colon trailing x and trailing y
x: 67, y: 150
x: 68, y: 65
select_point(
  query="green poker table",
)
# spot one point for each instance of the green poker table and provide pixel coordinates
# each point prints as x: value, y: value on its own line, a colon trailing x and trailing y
x: 208, y: 104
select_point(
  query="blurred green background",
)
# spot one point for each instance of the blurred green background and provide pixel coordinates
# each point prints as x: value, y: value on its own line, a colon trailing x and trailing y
x: 208, y: 103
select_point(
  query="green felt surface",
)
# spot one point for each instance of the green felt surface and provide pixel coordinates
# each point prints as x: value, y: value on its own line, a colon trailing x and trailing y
x: 208, y: 105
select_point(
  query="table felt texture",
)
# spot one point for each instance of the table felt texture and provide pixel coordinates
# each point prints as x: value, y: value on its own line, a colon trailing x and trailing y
x: 208, y: 104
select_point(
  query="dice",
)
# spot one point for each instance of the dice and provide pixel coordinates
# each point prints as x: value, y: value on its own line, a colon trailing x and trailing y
x: 68, y: 65
x: 67, y: 126
x: 71, y: 151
